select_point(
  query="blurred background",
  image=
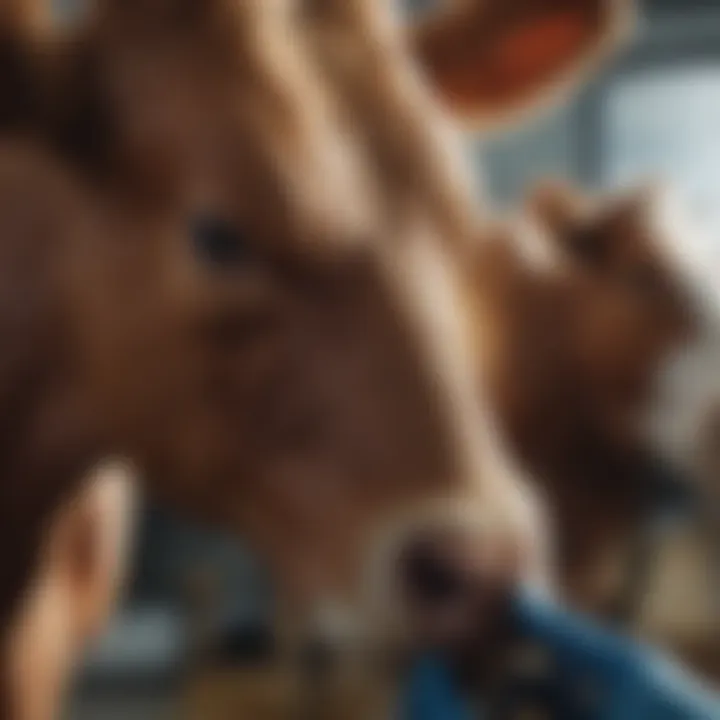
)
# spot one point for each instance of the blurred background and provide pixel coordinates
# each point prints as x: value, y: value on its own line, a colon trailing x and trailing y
x: 656, y: 111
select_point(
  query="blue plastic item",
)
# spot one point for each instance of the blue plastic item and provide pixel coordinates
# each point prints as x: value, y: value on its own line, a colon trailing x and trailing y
x: 431, y: 693
x: 591, y: 674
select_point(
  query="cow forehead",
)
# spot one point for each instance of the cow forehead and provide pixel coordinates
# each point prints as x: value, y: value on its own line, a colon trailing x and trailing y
x: 322, y: 107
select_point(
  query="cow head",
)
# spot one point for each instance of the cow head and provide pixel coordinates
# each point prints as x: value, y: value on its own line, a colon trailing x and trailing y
x: 651, y: 314
x: 266, y: 307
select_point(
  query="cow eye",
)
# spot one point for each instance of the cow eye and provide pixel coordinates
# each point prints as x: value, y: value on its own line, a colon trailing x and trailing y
x: 218, y: 243
x: 589, y: 246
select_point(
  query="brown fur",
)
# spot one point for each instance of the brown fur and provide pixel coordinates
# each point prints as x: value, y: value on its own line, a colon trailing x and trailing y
x: 574, y: 344
x: 308, y: 392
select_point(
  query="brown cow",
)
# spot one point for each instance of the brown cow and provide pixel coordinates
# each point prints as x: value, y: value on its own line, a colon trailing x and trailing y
x: 582, y: 301
x: 579, y: 321
x: 220, y: 223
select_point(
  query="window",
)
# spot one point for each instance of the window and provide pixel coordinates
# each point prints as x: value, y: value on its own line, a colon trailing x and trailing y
x: 666, y: 122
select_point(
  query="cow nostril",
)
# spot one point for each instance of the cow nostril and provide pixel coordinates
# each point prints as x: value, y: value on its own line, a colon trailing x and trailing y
x: 428, y: 577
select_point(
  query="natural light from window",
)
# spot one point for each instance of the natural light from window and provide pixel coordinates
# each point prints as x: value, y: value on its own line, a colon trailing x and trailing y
x: 666, y: 123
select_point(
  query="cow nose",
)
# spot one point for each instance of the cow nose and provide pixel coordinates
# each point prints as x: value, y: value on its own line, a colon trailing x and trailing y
x: 432, y: 574
x: 454, y: 591
x: 452, y: 565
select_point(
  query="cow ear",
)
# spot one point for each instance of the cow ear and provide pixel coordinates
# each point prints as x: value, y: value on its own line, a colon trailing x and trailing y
x: 558, y: 206
x: 637, y: 206
x: 490, y: 59
x: 570, y: 222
